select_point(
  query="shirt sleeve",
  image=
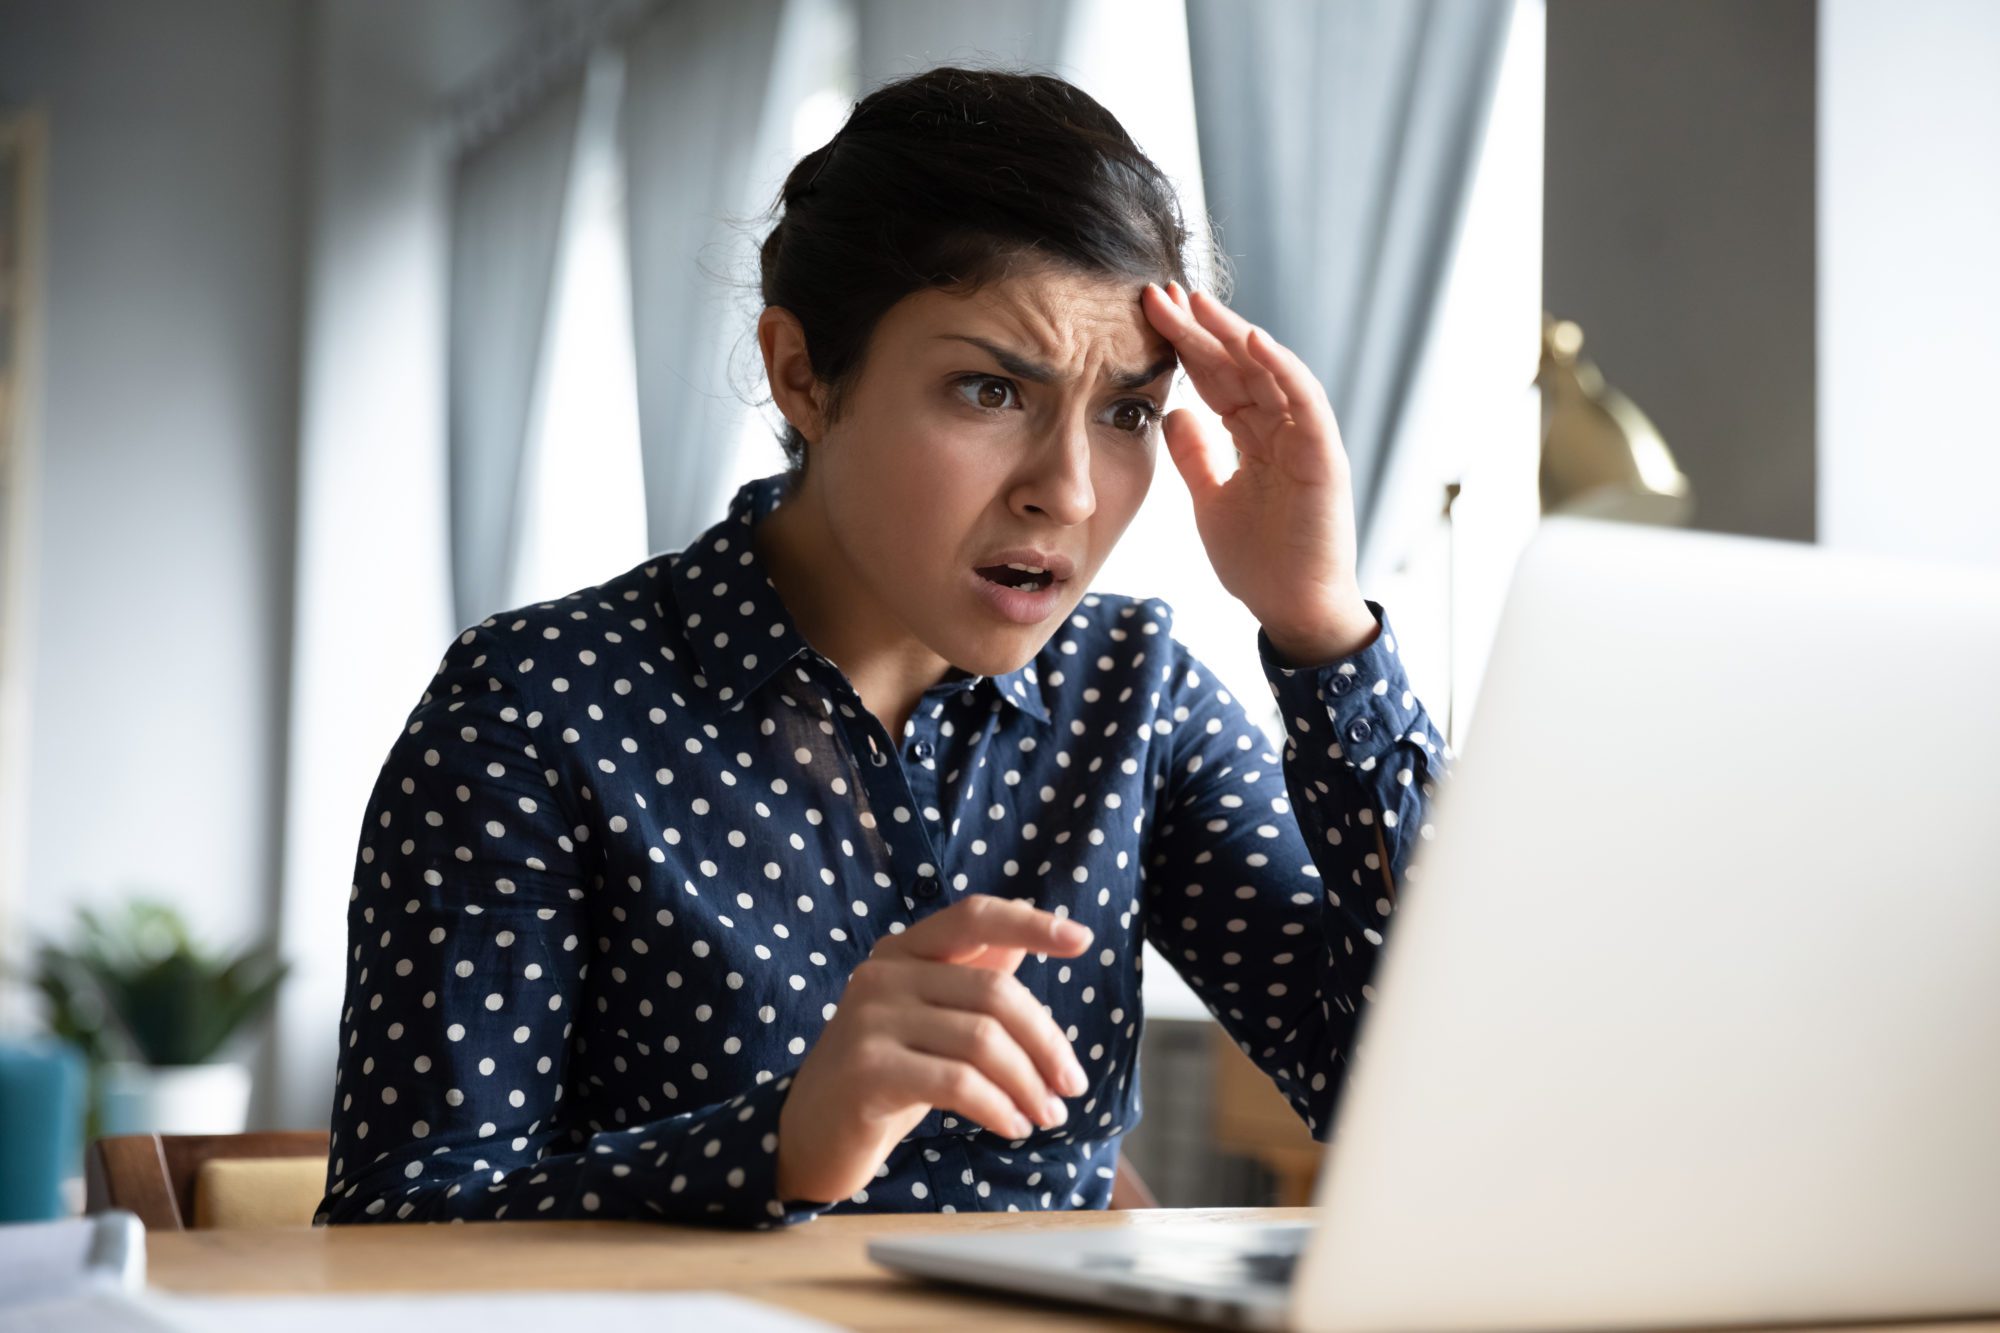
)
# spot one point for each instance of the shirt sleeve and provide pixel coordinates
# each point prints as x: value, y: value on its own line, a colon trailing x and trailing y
x: 1271, y: 895
x: 469, y: 938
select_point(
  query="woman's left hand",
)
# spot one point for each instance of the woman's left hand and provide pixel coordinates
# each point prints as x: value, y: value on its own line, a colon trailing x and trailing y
x: 1280, y: 529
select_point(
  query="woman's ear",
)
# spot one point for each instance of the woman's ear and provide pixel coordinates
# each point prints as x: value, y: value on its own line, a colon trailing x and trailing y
x: 788, y: 369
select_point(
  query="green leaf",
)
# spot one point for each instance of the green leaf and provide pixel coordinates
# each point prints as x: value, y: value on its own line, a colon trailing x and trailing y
x: 137, y: 980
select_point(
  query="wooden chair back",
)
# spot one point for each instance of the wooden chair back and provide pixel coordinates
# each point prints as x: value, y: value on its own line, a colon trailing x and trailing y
x: 1128, y: 1190
x: 154, y: 1175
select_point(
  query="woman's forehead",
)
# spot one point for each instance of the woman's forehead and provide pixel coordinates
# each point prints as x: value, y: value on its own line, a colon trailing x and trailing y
x: 1052, y: 319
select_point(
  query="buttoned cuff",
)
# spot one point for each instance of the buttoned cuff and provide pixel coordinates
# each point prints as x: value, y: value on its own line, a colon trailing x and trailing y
x: 1358, y: 708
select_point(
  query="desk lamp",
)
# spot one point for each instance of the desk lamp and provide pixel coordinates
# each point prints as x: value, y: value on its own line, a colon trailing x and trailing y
x: 1601, y: 457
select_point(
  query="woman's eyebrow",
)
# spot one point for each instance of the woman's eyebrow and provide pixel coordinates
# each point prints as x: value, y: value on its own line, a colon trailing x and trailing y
x: 1034, y: 371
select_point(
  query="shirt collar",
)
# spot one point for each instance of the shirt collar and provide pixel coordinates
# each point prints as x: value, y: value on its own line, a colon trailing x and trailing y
x: 738, y: 627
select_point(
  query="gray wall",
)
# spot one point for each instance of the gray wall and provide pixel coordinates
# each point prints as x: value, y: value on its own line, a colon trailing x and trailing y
x: 245, y: 221
x: 1679, y: 232
x: 163, y: 573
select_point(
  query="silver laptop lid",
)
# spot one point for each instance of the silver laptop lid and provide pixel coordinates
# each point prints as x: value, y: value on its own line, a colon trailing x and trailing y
x: 1692, y: 1012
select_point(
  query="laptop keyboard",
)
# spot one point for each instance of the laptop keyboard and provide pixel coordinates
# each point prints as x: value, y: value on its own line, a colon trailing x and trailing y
x: 1267, y: 1259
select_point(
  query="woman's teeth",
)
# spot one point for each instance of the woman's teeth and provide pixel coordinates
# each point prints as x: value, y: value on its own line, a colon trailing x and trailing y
x: 1031, y: 578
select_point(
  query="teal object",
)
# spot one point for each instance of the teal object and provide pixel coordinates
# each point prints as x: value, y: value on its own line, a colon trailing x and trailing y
x: 41, y: 1119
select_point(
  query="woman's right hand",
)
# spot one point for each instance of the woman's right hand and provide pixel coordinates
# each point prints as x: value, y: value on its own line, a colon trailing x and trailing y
x: 933, y: 1017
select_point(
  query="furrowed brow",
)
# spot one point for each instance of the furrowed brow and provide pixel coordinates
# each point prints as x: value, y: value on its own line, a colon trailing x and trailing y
x: 1037, y: 373
x: 1139, y: 379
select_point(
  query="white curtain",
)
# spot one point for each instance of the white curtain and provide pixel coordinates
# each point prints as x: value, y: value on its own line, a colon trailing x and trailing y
x: 506, y: 221
x: 1337, y: 146
x: 900, y: 37
x: 710, y: 89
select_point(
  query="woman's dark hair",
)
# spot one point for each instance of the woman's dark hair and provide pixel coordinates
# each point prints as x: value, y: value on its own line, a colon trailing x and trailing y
x: 950, y: 179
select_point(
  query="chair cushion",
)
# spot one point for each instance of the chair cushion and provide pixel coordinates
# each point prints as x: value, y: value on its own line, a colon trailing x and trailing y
x: 258, y: 1191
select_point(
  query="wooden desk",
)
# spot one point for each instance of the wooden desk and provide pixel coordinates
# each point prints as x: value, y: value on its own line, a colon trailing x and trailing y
x: 818, y: 1268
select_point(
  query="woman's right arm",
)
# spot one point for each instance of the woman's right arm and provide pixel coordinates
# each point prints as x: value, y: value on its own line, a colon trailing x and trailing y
x: 468, y: 946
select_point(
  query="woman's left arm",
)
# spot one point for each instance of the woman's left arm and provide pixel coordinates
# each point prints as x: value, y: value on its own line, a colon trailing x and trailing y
x: 1271, y: 891
x: 1274, y: 904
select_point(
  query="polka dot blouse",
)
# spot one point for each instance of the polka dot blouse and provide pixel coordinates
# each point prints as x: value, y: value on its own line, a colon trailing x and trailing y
x: 619, y: 864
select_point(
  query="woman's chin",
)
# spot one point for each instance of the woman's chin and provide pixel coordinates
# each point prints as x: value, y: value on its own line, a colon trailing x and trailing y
x: 998, y: 649
x: 988, y: 636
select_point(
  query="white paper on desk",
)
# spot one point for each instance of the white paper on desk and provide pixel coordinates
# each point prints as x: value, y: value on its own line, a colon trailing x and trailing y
x: 489, y: 1312
x: 42, y: 1261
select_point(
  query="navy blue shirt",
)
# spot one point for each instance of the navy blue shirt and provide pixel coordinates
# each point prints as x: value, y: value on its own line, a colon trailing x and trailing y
x: 621, y: 861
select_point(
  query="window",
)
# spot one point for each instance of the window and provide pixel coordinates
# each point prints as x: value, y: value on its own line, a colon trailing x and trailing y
x: 818, y: 117
x: 583, y: 497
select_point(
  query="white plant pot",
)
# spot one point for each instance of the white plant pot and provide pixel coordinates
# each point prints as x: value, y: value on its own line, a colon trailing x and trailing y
x: 174, y: 1099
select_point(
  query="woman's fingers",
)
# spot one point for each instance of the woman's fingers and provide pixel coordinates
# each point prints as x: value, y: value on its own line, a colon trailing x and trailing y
x: 1304, y: 395
x: 1271, y: 374
x: 984, y: 1042
x: 1232, y: 333
x: 1188, y: 446
x: 933, y: 1017
x: 1253, y: 382
x: 1215, y: 375
x: 1004, y: 998
x: 954, y: 1085
x: 982, y: 921
x: 891, y: 986
x: 1219, y: 333
x: 1211, y: 369
x: 928, y: 988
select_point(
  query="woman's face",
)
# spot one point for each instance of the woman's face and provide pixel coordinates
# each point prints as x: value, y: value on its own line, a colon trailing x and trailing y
x: 1017, y: 425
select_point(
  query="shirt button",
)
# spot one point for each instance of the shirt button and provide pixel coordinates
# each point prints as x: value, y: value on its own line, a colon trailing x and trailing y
x: 922, y: 749
x: 1341, y: 683
x: 1359, y: 730
x: 928, y: 887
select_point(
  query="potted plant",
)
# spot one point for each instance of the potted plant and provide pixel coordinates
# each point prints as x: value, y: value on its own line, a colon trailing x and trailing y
x: 152, y: 1014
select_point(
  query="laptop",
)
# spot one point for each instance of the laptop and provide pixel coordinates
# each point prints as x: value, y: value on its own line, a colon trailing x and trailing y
x: 1693, y: 1013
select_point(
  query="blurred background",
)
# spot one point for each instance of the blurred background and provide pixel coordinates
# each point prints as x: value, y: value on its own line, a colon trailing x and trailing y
x: 328, y: 327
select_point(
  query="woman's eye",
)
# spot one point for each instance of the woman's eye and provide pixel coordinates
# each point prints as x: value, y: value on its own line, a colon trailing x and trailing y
x: 1135, y: 416
x: 992, y: 393
x: 989, y: 392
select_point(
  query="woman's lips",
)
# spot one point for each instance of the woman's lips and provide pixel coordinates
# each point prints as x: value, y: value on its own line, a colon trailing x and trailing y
x: 1055, y: 562
x: 1020, y: 606
x: 1018, y: 576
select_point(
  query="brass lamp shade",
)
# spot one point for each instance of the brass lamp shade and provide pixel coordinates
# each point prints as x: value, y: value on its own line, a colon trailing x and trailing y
x: 1601, y: 457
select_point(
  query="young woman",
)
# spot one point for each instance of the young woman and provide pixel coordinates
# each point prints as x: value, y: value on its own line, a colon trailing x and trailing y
x: 806, y: 869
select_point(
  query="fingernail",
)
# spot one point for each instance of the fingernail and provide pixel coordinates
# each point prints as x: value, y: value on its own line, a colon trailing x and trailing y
x: 1075, y: 1081
x: 1022, y: 1129
x: 1055, y: 1113
x: 1074, y: 933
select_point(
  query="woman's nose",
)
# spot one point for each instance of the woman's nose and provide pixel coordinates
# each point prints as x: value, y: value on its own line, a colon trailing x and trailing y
x: 1060, y: 485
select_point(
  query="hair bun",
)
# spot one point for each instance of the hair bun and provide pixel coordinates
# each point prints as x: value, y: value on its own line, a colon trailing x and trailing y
x: 826, y: 156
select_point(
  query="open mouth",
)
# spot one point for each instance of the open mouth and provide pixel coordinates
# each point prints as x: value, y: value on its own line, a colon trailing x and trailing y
x: 1028, y: 578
